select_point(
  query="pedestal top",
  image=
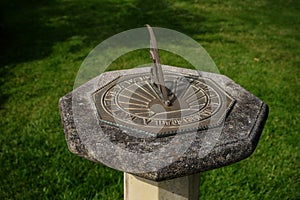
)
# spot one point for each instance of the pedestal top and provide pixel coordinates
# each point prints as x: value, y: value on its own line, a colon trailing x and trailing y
x: 233, y: 138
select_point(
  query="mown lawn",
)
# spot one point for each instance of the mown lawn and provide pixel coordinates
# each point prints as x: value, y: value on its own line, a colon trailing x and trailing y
x: 42, y: 45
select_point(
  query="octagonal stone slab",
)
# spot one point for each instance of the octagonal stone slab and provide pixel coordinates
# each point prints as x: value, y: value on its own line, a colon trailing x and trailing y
x: 168, y: 157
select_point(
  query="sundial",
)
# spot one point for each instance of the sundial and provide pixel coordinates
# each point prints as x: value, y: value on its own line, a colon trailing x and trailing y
x: 162, y: 122
x: 161, y: 103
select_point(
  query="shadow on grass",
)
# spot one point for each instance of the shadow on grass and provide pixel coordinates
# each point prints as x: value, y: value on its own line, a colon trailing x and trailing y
x: 29, y: 29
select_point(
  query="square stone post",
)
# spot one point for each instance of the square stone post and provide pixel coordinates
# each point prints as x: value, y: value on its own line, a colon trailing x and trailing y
x: 182, y: 188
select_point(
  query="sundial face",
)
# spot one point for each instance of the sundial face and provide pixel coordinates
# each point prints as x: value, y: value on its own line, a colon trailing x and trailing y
x: 133, y: 102
x: 159, y: 103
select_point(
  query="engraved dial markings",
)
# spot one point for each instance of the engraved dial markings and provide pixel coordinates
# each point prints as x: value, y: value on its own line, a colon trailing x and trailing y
x: 134, y: 102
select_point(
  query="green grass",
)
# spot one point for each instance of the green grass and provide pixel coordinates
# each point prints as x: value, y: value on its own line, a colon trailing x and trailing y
x: 42, y: 44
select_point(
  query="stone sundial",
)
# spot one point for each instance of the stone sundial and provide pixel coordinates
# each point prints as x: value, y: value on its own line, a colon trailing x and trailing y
x: 162, y: 103
x: 162, y: 122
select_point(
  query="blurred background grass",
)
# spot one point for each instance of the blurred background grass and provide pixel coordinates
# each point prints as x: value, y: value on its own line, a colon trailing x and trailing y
x: 42, y: 44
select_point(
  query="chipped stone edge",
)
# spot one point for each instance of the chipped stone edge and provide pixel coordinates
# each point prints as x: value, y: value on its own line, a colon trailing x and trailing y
x: 72, y: 138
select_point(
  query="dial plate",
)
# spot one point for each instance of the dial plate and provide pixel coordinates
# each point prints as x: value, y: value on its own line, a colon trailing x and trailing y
x: 133, y: 102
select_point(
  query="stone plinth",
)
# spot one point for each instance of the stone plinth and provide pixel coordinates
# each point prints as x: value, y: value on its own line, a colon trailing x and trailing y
x: 162, y: 158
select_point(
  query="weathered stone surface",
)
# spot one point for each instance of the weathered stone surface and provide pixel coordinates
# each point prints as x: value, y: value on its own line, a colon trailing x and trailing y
x: 168, y: 157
